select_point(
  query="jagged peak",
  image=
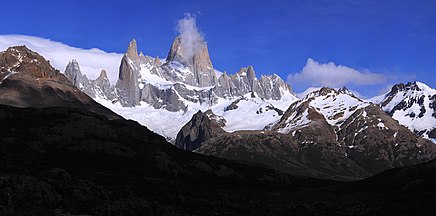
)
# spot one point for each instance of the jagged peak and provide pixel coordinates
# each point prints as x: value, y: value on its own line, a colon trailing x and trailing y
x: 411, y: 86
x: 20, y: 59
x: 323, y: 91
x: 326, y: 90
x: 425, y: 87
x: 132, y: 51
x: 74, y: 63
x: 22, y: 52
x: 103, y: 74
x: 345, y: 90
x: 250, y: 73
x: 157, y: 62
x: 246, y: 71
x: 175, y: 46
x: 187, y: 53
x: 72, y: 70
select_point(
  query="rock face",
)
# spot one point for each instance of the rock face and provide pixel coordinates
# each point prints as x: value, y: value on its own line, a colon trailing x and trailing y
x: 28, y: 80
x: 303, y: 152
x: 328, y: 134
x: 73, y: 73
x: 413, y: 105
x: 127, y: 84
x: 183, y: 84
x: 245, y: 81
x: 198, y: 61
x: 104, y: 85
x: 377, y: 142
x: 187, y: 78
x: 202, y: 127
x: 99, y: 87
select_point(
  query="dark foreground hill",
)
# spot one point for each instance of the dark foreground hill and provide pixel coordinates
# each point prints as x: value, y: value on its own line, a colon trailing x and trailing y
x: 56, y: 161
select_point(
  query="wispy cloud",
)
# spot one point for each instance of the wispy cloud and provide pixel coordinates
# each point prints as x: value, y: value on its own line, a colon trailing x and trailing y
x: 91, y: 61
x: 332, y: 75
x: 192, y: 38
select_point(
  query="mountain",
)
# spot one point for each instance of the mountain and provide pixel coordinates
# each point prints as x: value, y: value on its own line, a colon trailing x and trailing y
x: 413, y: 105
x: 328, y: 134
x: 61, y: 153
x: 53, y: 165
x: 182, y: 100
x: 99, y: 87
x: 28, y: 80
x: 198, y: 61
x: 154, y: 93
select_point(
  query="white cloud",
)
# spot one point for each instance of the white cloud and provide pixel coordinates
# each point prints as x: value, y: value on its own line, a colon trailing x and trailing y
x: 191, y: 37
x: 332, y: 75
x: 91, y: 61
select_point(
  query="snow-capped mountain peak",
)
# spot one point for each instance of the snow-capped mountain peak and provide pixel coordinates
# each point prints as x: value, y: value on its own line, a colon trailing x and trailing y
x: 335, y: 105
x: 414, y: 105
x: 154, y: 92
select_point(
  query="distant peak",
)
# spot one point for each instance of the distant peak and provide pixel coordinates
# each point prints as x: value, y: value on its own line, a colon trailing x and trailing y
x: 411, y: 86
x: 132, y: 51
x: 103, y: 73
x: 344, y: 90
x: 132, y: 43
x: 73, y: 62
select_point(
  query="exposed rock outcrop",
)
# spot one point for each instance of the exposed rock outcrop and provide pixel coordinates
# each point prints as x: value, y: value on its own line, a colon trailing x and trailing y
x: 202, y: 127
x: 99, y: 87
x: 28, y: 80
x: 198, y: 61
x: 127, y: 84
x: 187, y: 77
x: 245, y: 81
x: 377, y: 142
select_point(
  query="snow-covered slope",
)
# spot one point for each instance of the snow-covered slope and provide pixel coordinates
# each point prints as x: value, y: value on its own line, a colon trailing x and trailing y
x: 165, y: 95
x: 413, y: 105
x: 248, y: 114
x: 335, y: 105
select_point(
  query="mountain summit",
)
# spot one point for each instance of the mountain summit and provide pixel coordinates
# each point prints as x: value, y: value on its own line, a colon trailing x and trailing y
x: 414, y: 105
x: 28, y: 80
x: 196, y: 59
x: 176, y: 89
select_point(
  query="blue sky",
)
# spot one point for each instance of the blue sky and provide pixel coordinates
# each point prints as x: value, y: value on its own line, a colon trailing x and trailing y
x: 395, y: 39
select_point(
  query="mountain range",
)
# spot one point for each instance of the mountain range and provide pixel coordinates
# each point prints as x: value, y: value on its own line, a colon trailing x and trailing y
x: 242, y: 117
x: 62, y: 153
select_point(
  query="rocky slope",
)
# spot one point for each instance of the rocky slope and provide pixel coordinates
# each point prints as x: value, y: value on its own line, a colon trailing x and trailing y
x: 413, y: 105
x: 328, y: 134
x: 53, y: 165
x: 28, y: 80
x: 62, y: 153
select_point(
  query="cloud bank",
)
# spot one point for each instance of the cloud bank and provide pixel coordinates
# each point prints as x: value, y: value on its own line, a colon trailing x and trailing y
x: 332, y: 75
x: 91, y: 61
x: 191, y: 37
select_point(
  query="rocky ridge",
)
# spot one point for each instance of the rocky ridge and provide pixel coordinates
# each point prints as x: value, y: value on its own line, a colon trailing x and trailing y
x: 99, y: 87
x: 326, y: 129
x: 28, y: 80
x: 182, y: 85
x: 414, y: 105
